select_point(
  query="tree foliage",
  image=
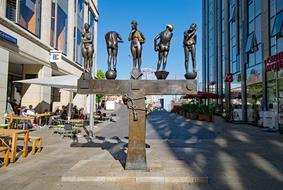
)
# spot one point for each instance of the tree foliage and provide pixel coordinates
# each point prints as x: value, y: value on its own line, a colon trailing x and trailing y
x: 100, y: 76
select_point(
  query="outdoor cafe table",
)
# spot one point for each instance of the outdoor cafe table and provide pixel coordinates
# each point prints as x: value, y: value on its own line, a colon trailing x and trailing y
x: 75, y: 121
x: 14, y: 134
x: 19, y: 118
x: 40, y: 115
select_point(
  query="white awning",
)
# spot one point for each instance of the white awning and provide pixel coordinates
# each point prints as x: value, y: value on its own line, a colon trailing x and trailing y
x: 66, y: 82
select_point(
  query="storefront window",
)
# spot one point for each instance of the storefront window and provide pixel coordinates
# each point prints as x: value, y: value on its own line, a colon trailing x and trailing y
x: 275, y: 77
x: 29, y: 15
x: 59, y: 25
x: 254, y: 93
x: 236, y: 100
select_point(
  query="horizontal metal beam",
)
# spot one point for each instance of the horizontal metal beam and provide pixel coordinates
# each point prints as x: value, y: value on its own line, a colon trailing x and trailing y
x: 150, y: 87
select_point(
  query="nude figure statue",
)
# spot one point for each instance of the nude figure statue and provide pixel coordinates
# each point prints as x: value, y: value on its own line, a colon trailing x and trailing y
x: 190, y: 40
x: 137, y: 39
x: 112, y: 39
x: 87, y: 49
x: 163, y: 46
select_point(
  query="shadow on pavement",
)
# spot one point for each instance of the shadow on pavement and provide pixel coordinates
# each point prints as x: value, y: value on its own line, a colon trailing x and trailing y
x: 117, y: 149
x: 232, y: 156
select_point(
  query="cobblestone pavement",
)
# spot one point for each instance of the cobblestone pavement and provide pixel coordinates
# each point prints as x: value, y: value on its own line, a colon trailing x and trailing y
x: 231, y: 156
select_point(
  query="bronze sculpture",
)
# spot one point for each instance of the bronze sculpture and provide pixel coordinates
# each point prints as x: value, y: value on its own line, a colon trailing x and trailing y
x: 112, y: 39
x: 87, y: 50
x: 163, y: 48
x: 135, y: 91
x: 137, y: 39
x: 190, y: 39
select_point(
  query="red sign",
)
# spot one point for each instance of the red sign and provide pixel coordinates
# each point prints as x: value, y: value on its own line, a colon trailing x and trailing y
x: 274, y: 63
x: 229, y: 77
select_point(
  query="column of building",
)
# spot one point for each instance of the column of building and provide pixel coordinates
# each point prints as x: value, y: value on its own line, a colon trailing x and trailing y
x: 4, y: 62
x: 265, y: 46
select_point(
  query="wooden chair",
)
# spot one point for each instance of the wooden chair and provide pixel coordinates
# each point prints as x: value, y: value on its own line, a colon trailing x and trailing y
x: 6, y: 151
x: 4, y: 147
x: 36, y: 143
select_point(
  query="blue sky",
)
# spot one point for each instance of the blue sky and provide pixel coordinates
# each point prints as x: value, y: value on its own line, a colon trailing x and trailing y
x: 152, y: 17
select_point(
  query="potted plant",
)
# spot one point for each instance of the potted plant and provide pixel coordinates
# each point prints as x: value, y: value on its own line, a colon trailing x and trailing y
x: 212, y: 110
x: 186, y: 110
x: 193, y: 111
x: 203, y: 112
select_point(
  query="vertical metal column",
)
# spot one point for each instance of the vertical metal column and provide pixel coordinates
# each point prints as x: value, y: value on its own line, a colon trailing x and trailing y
x: 265, y: 41
x: 243, y: 30
x: 227, y: 55
x: 136, y: 155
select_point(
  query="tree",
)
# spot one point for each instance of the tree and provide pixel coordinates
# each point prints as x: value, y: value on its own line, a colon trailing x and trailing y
x: 100, y: 76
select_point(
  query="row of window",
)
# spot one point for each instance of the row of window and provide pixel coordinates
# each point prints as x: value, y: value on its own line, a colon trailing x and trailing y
x: 27, y: 13
x: 253, y: 46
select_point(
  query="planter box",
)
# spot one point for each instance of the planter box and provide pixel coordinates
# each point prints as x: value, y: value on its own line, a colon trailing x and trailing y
x: 193, y: 116
x: 203, y: 117
x: 212, y: 118
x: 187, y: 115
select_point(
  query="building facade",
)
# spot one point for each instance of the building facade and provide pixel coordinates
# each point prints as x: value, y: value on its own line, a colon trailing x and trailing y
x: 242, y: 57
x: 29, y: 31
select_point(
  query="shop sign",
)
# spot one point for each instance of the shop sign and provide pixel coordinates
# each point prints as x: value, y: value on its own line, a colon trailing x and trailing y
x: 269, y: 119
x: 55, y: 56
x: 274, y: 63
x: 229, y: 77
x: 8, y: 37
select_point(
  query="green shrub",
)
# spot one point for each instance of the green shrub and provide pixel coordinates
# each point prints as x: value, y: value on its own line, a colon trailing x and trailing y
x: 186, y: 107
x: 205, y: 109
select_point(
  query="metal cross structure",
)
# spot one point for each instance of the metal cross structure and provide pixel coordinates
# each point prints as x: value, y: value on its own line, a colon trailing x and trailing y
x: 134, y: 93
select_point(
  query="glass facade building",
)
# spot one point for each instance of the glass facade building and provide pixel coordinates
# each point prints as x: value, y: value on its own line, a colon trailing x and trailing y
x: 242, y: 38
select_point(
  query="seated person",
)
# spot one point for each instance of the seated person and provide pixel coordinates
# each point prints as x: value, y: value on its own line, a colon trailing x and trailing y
x: 64, y: 113
x: 23, y: 110
x: 30, y: 110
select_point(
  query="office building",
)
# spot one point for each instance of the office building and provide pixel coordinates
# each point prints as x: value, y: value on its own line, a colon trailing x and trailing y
x: 29, y: 31
x: 243, y: 59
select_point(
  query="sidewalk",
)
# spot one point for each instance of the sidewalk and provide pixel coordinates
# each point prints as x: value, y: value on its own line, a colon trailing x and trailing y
x: 231, y: 156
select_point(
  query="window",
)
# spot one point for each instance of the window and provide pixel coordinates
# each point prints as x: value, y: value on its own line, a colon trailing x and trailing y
x: 277, y: 29
x: 59, y: 25
x: 251, y: 45
x: 29, y: 15
x: 91, y: 22
x: 11, y: 12
x: 79, y: 15
x: 233, y: 15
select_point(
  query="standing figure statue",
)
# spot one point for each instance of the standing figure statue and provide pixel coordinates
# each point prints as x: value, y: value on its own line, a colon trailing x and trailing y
x: 163, y: 48
x: 87, y: 50
x: 112, y: 39
x: 137, y: 39
x: 190, y: 40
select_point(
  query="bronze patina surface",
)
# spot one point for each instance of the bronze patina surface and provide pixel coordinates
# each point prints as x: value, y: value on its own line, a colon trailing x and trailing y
x: 134, y: 92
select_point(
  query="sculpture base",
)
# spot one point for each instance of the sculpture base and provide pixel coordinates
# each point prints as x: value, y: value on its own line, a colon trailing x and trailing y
x: 111, y: 75
x: 161, y: 75
x: 190, y: 75
x: 86, y: 76
x: 135, y: 74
